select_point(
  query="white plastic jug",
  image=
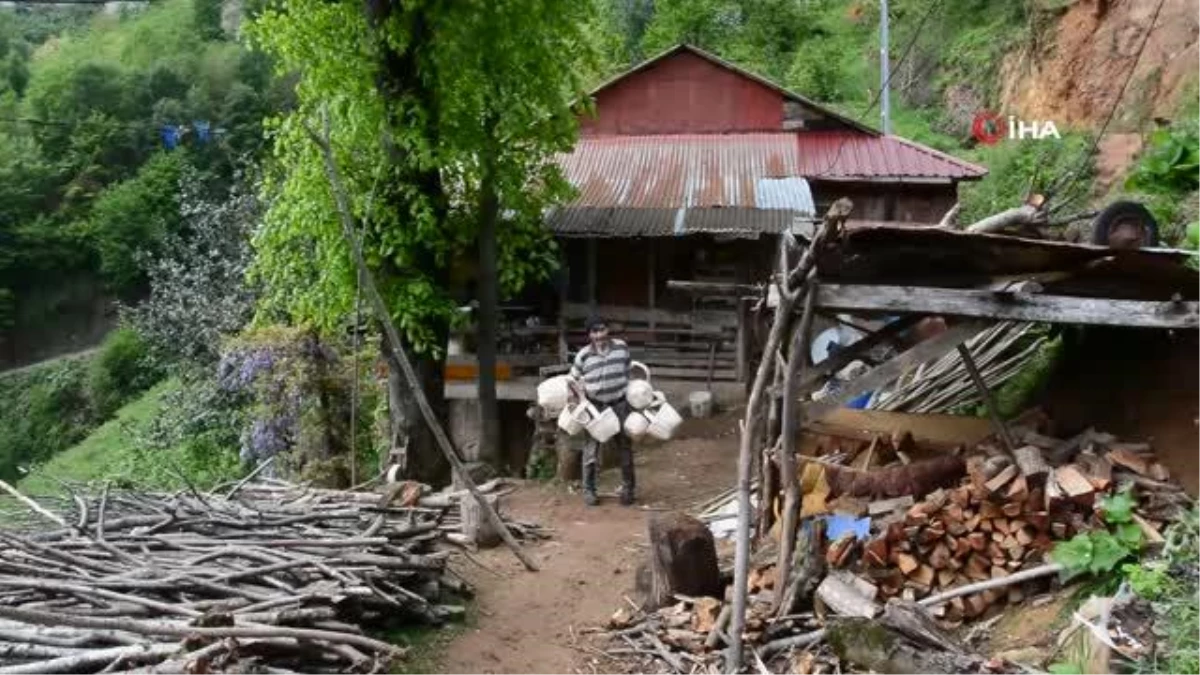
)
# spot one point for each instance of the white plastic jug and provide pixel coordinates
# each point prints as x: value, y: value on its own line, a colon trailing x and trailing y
x: 664, y: 419
x: 636, y: 425
x: 574, y: 419
x: 604, y: 426
x: 553, y: 393
x: 639, y: 393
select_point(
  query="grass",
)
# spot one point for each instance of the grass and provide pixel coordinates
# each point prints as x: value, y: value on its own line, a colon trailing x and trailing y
x: 108, y: 447
x: 1171, y: 586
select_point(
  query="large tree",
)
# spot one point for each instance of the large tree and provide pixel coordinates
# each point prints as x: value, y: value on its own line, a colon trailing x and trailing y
x: 444, y: 117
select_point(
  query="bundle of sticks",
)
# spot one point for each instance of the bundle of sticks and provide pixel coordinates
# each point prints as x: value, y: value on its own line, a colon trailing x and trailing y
x: 944, y: 385
x: 266, y: 577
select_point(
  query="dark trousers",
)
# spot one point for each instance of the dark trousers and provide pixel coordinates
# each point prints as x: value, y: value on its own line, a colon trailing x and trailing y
x: 623, y: 445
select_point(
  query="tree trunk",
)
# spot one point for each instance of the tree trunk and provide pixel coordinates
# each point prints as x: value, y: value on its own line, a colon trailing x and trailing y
x: 414, y: 446
x: 489, y: 310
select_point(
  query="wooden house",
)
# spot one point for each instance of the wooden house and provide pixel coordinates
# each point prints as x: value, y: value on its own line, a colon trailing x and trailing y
x: 689, y: 168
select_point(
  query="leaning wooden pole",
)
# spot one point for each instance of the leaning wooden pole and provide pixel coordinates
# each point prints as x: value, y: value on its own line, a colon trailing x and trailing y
x: 787, y: 449
x: 783, y: 311
x: 393, y: 337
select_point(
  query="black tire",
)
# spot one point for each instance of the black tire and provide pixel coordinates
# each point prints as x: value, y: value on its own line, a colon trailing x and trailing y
x: 1125, y: 225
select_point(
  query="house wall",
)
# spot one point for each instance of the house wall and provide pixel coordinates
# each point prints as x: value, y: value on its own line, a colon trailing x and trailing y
x: 685, y: 94
x: 899, y: 202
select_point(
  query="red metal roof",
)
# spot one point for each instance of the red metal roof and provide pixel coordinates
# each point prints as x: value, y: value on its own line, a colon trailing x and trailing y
x: 848, y: 155
x: 683, y: 184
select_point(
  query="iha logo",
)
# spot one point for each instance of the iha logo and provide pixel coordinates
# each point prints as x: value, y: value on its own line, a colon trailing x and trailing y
x: 989, y: 128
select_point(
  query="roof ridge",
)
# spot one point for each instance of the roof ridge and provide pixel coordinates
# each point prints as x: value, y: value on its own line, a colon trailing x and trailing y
x: 934, y: 152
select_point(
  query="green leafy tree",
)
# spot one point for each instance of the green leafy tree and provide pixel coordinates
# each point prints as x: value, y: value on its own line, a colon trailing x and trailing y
x: 444, y: 120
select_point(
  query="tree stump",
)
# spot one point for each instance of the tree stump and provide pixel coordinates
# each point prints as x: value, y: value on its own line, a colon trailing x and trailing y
x: 475, y: 524
x: 683, y: 560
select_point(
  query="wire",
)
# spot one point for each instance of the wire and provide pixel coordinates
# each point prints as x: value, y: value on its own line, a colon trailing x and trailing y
x: 878, y: 94
x: 1074, y: 174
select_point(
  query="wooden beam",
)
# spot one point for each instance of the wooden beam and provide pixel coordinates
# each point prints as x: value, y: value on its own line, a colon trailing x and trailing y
x: 744, y: 331
x: 714, y: 288
x: 889, y: 371
x: 1010, y: 306
x: 624, y: 314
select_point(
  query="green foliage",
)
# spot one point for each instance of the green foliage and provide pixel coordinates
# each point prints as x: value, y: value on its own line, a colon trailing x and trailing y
x: 490, y: 85
x: 148, y: 444
x: 1170, y: 163
x: 1013, y: 166
x: 1017, y: 392
x: 43, y: 410
x: 130, y: 219
x: 85, y: 191
x: 1065, y: 668
x: 121, y: 370
x: 1100, y: 552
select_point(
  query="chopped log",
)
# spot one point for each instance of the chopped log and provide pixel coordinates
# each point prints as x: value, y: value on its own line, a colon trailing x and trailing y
x: 475, y: 524
x: 1032, y: 465
x: 1075, y: 486
x: 1159, y: 472
x: 907, y: 563
x: 945, y: 578
x: 875, y: 552
x: 1098, y: 470
x: 1123, y: 455
x: 923, y: 575
x: 978, y: 568
x: 978, y: 541
x: 683, y: 560
x: 996, y: 484
x: 839, y: 592
x: 962, y: 547
x: 918, y: 478
x: 1018, y: 491
x: 1012, y: 509
x: 885, y: 506
x: 940, y: 557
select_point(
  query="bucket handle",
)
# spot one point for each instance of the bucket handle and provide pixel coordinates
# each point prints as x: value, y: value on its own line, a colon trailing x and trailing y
x: 641, y: 366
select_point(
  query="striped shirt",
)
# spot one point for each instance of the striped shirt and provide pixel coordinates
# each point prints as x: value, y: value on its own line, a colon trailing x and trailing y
x: 606, y: 375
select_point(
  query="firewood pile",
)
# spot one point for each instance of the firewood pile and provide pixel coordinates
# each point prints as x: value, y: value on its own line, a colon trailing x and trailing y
x: 973, y: 536
x: 269, y: 577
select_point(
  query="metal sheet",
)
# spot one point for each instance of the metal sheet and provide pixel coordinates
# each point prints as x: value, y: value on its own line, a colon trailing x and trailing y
x: 846, y: 155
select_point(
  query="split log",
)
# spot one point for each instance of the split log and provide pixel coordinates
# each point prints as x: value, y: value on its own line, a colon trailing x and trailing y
x: 840, y: 594
x: 683, y: 560
x: 475, y: 525
x: 1032, y: 465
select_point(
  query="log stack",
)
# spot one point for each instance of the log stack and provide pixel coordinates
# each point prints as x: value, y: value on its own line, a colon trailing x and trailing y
x: 266, y: 577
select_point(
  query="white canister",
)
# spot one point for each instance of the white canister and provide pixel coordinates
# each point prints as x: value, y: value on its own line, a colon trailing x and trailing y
x: 636, y: 425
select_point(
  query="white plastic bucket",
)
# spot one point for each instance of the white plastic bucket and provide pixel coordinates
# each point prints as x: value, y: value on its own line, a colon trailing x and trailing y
x: 636, y: 425
x: 639, y: 393
x: 574, y: 419
x: 604, y: 426
x: 700, y: 403
x: 553, y: 393
x: 664, y: 420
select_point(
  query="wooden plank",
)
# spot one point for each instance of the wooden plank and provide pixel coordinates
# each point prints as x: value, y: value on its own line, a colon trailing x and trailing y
x: 700, y: 373
x: 714, y: 288
x: 624, y: 314
x: 889, y: 371
x: 839, y: 592
x: 1010, y: 306
x: 742, y: 342
x: 512, y: 360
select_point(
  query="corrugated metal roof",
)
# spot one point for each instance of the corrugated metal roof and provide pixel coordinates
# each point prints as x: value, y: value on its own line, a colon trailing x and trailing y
x: 849, y: 155
x: 745, y: 184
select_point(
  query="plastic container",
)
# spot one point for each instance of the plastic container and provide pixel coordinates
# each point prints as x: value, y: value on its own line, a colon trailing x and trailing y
x: 574, y: 419
x: 604, y: 425
x: 701, y: 404
x: 639, y: 393
x: 636, y: 425
x: 664, y: 419
x: 553, y: 393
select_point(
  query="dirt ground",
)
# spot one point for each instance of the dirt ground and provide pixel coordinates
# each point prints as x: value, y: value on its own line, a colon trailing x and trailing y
x: 528, y: 622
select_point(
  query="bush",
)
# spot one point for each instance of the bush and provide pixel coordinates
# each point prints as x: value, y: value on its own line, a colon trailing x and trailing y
x: 43, y: 410
x: 122, y: 370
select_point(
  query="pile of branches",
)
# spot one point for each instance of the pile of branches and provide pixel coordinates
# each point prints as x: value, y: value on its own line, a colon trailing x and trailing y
x: 268, y: 577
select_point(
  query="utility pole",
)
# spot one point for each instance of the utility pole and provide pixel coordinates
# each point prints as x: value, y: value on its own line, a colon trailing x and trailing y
x: 885, y: 102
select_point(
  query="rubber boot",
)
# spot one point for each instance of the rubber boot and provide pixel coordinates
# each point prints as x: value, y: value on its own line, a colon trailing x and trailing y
x: 627, y: 477
x: 589, y: 485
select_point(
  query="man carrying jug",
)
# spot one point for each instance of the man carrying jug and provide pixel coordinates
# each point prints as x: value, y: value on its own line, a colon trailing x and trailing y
x: 603, y: 368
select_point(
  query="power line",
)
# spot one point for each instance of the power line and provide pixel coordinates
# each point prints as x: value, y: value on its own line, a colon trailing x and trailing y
x: 875, y: 100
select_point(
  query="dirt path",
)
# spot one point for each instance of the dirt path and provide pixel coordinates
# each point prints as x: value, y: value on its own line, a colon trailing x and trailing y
x: 525, y: 620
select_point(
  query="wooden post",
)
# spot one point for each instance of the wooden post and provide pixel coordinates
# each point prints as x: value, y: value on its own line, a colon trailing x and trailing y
x: 787, y: 453
x: 591, y: 274
x: 988, y: 399
x: 651, y: 283
x: 564, y: 350
x: 743, y: 339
